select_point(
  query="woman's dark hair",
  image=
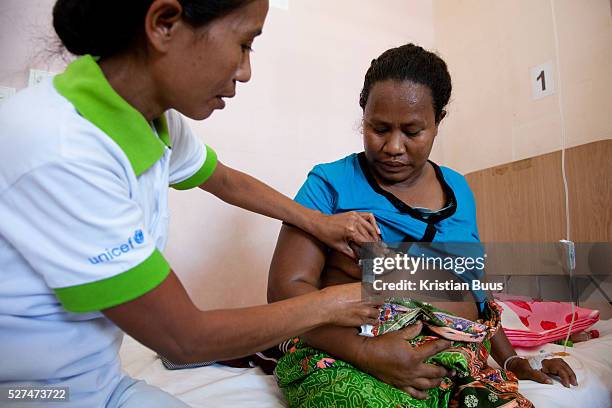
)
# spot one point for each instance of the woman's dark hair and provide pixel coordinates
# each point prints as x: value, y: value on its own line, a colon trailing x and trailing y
x: 106, y: 27
x: 411, y: 63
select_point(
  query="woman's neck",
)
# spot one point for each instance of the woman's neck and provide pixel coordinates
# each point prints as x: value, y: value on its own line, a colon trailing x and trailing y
x: 130, y: 78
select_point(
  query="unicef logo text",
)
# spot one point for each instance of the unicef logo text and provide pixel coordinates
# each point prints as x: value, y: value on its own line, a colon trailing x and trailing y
x: 137, y: 239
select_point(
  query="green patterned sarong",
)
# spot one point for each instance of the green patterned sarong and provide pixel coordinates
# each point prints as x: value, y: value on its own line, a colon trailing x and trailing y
x: 311, y: 378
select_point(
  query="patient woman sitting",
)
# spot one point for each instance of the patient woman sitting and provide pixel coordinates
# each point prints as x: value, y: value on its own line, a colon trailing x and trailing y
x: 404, y: 95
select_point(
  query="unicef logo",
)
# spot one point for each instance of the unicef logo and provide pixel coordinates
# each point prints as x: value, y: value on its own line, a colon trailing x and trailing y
x: 110, y: 254
x: 138, y: 237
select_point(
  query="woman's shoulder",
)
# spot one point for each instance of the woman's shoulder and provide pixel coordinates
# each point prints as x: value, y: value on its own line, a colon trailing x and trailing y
x: 454, y: 178
x: 31, y: 109
x: 458, y: 183
x: 337, y: 169
x: 41, y: 119
x: 39, y: 127
x: 29, y: 132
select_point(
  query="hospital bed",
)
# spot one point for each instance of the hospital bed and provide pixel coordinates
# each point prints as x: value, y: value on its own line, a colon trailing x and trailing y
x: 220, y: 386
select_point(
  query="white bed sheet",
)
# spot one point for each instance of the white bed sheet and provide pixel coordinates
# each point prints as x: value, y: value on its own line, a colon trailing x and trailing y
x: 592, y: 363
x: 212, y: 386
x: 217, y: 386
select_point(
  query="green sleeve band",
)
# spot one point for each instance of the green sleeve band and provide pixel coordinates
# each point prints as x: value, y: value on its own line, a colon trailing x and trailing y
x: 200, y: 176
x: 118, y: 289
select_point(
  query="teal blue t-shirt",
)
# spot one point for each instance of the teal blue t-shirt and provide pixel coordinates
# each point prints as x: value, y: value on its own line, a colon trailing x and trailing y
x: 348, y: 185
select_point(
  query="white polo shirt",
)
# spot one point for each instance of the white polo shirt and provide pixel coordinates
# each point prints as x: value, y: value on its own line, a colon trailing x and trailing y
x: 83, y: 220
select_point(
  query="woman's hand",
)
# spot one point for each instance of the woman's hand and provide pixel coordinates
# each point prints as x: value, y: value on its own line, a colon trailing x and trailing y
x: 555, y: 366
x: 391, y: 359
x: 342, y: 306
x: 339, y: 230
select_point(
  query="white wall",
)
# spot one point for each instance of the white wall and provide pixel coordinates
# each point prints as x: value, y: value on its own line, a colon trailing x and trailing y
x: 490, y: 47
x: 27, y: 41
x: 300, y: 108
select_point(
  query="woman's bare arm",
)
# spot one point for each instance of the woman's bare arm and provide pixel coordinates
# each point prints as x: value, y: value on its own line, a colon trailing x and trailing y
x: 295, y: 270
x: 338, y: 230
x: 166, y: 320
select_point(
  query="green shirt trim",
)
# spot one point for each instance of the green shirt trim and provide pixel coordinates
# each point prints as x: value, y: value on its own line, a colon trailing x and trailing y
x: 200, y: 176
x: 84, y: 85
x: 113, y: 291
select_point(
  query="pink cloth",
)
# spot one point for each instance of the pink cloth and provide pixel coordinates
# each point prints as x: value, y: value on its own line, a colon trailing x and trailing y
x: 530, y: 323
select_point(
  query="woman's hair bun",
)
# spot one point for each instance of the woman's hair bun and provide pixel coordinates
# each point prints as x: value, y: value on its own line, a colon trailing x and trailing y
x: 98, y: 27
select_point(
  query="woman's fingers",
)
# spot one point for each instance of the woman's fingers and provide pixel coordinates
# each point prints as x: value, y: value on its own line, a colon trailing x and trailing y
x: 426, y: 383
x: 418, y: 394
x: 368, y: 313
x: 365, y: 315
x: 572, y: 375
x: 431, y: 347
x: 551, y: 367
x: 561, y: 369
x: 433, y: 371
x: 338, y: 231
x: 347, y: 250
x: 363, y: 235
x: 370, y: 220
x: 539, y: 376
x: 564, y: 377
x: 361, y: 231
x: 345, y: 306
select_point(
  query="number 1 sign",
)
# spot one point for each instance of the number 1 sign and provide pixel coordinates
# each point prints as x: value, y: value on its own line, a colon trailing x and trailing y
x: 542, y: 81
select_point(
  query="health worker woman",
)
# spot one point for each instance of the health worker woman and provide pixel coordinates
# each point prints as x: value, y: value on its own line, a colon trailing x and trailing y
x: 86, y: 161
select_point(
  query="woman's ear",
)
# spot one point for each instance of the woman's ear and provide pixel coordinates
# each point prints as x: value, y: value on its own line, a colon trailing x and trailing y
x: 441, y: 116
x: 360, y: 131
x: 161, y: 23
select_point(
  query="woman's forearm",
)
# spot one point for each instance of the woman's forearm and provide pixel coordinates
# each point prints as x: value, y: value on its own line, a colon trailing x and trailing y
x: 260, y: 327
x: 337, y: 231
x: 167, y: 321
x: 341, y: 342
x: 501, y: 348
x: 239, y: 189
x: 253, y: 329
